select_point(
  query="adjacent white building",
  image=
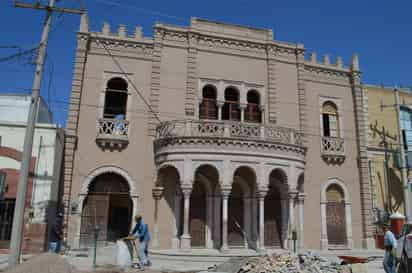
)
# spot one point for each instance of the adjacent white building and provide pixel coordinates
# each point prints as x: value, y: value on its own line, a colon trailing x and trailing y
x: 43, y: 189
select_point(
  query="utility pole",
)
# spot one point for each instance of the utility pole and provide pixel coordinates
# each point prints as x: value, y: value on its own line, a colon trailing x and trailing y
x: 18, y: 218
x: 384, y: 136
x: 404, y: 172
x: 385, y: 145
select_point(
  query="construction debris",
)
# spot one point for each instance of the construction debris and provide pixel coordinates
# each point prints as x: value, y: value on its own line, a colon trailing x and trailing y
x: 286, y: 263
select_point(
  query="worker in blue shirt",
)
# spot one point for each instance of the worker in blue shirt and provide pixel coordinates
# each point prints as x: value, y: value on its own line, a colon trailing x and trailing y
x: 389, y: 259
x: 141, y: 232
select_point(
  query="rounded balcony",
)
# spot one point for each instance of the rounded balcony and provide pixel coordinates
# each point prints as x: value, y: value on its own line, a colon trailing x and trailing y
x: 205, y: 138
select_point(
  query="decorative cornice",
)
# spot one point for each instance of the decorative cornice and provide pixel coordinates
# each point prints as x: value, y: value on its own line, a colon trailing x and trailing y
x: 236, y: 143
x: 116, y: 44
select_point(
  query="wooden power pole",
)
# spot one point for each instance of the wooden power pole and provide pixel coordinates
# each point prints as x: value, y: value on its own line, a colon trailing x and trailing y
x: 18, y: 218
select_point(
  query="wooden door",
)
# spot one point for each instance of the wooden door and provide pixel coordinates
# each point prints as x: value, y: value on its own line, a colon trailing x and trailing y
x: 6, y: 221
x: 95, y: 212
x: 336, y: 224
x: 273, y: 222
x: 235, y: 221
x: 197, y: 224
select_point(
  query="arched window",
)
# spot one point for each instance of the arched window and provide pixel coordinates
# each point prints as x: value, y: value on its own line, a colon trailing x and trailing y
x: 253, y: 112
x: 330, y: 119
x: 208, y: 107
x: 115, y: 101
x: 231, y: 110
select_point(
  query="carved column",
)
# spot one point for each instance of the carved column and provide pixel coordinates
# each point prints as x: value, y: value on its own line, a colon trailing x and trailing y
x: 185, y: 239
x: 242, y: 112
x: 284, y: 223
x: 301, y: 198
x: 157, y: 193
x: 177, y: 221
x: 262, y: 114
x: 219, y: 109
x: 225, y: 216
x: 262, y: 195
x: 292, y: 197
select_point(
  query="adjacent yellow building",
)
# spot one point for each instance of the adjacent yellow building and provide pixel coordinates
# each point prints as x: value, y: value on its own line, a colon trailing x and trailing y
x: 383, y: 146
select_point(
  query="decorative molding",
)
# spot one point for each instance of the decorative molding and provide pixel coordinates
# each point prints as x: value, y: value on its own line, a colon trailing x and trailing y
x: 363, y: 166
x: 303, y: 121
x: 155, y: 80
x: 192, y: 76
x: 237, y: 145
x: 326, y: 74
x: 272, y: 94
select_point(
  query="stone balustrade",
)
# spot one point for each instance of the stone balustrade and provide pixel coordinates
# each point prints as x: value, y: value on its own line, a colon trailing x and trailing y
x: 332, y: 149
x: 112, y: 131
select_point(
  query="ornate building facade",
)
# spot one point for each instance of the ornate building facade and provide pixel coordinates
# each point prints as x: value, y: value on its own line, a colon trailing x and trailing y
x: 220, y: 136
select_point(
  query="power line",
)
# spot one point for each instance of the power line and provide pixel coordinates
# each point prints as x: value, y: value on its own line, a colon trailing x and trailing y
x: 19, y: 54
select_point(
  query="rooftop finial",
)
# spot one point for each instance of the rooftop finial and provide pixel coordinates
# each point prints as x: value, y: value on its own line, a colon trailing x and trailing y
x: 326, y: 59
x: 106, y: 28
x: 355, y: 62
x: 138, y: 34
x: 122, y: 31
x: 339, y: 62
x: 313, y: 58
x: 84, y: 23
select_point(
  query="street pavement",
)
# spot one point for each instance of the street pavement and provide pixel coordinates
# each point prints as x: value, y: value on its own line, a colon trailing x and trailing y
x: 84, y: 261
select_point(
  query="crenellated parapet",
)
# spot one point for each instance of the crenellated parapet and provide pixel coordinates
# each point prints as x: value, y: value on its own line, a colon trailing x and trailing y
x: 222, y: 38
x: 331, y: 71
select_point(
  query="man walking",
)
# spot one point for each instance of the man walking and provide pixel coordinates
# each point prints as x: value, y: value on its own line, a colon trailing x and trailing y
x: 389, y: 260
x: 141, y: 232
x: 56, y: 234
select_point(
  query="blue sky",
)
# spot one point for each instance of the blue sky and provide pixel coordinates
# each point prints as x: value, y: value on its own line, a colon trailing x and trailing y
x: 379, y: 31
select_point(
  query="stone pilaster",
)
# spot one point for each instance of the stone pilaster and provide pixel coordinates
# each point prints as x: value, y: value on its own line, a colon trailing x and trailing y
x: 262, y: 195
x: 303, y: 121
x: 225, y: 217
x: 185, y: 243
x: 272, y: 96
x: 155, y: 80
x: 301, y: 199
x: 192, y: 77
x: 157, y: 193
x: 70, y: 143
x: 361, y: 130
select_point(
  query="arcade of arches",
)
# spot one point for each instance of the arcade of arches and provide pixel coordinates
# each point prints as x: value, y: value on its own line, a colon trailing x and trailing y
x: 208, y: 214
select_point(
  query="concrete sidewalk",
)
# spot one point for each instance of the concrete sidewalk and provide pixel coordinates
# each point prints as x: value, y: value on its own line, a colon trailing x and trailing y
x: 83, y: 260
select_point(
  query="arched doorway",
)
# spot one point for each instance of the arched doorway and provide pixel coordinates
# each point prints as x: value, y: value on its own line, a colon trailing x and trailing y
x: 202, y: 204
x: 273, y: 210
x: 197, y: 223
x: 236, y: 220
x: 109, y: 206
x: 241, y: 211
x: 335, y: 216
x: 170, y: 206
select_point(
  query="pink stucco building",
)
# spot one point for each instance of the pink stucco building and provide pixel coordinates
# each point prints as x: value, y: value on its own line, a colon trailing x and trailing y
x: 212, y: 131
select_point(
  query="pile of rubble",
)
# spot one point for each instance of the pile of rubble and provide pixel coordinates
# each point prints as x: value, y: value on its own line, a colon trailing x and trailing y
x: 285, y: 263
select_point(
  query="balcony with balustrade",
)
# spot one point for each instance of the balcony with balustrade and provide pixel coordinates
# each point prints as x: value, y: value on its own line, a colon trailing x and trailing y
x: 332, y: 149
x: 112, y: 132
x: 228, y: 137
